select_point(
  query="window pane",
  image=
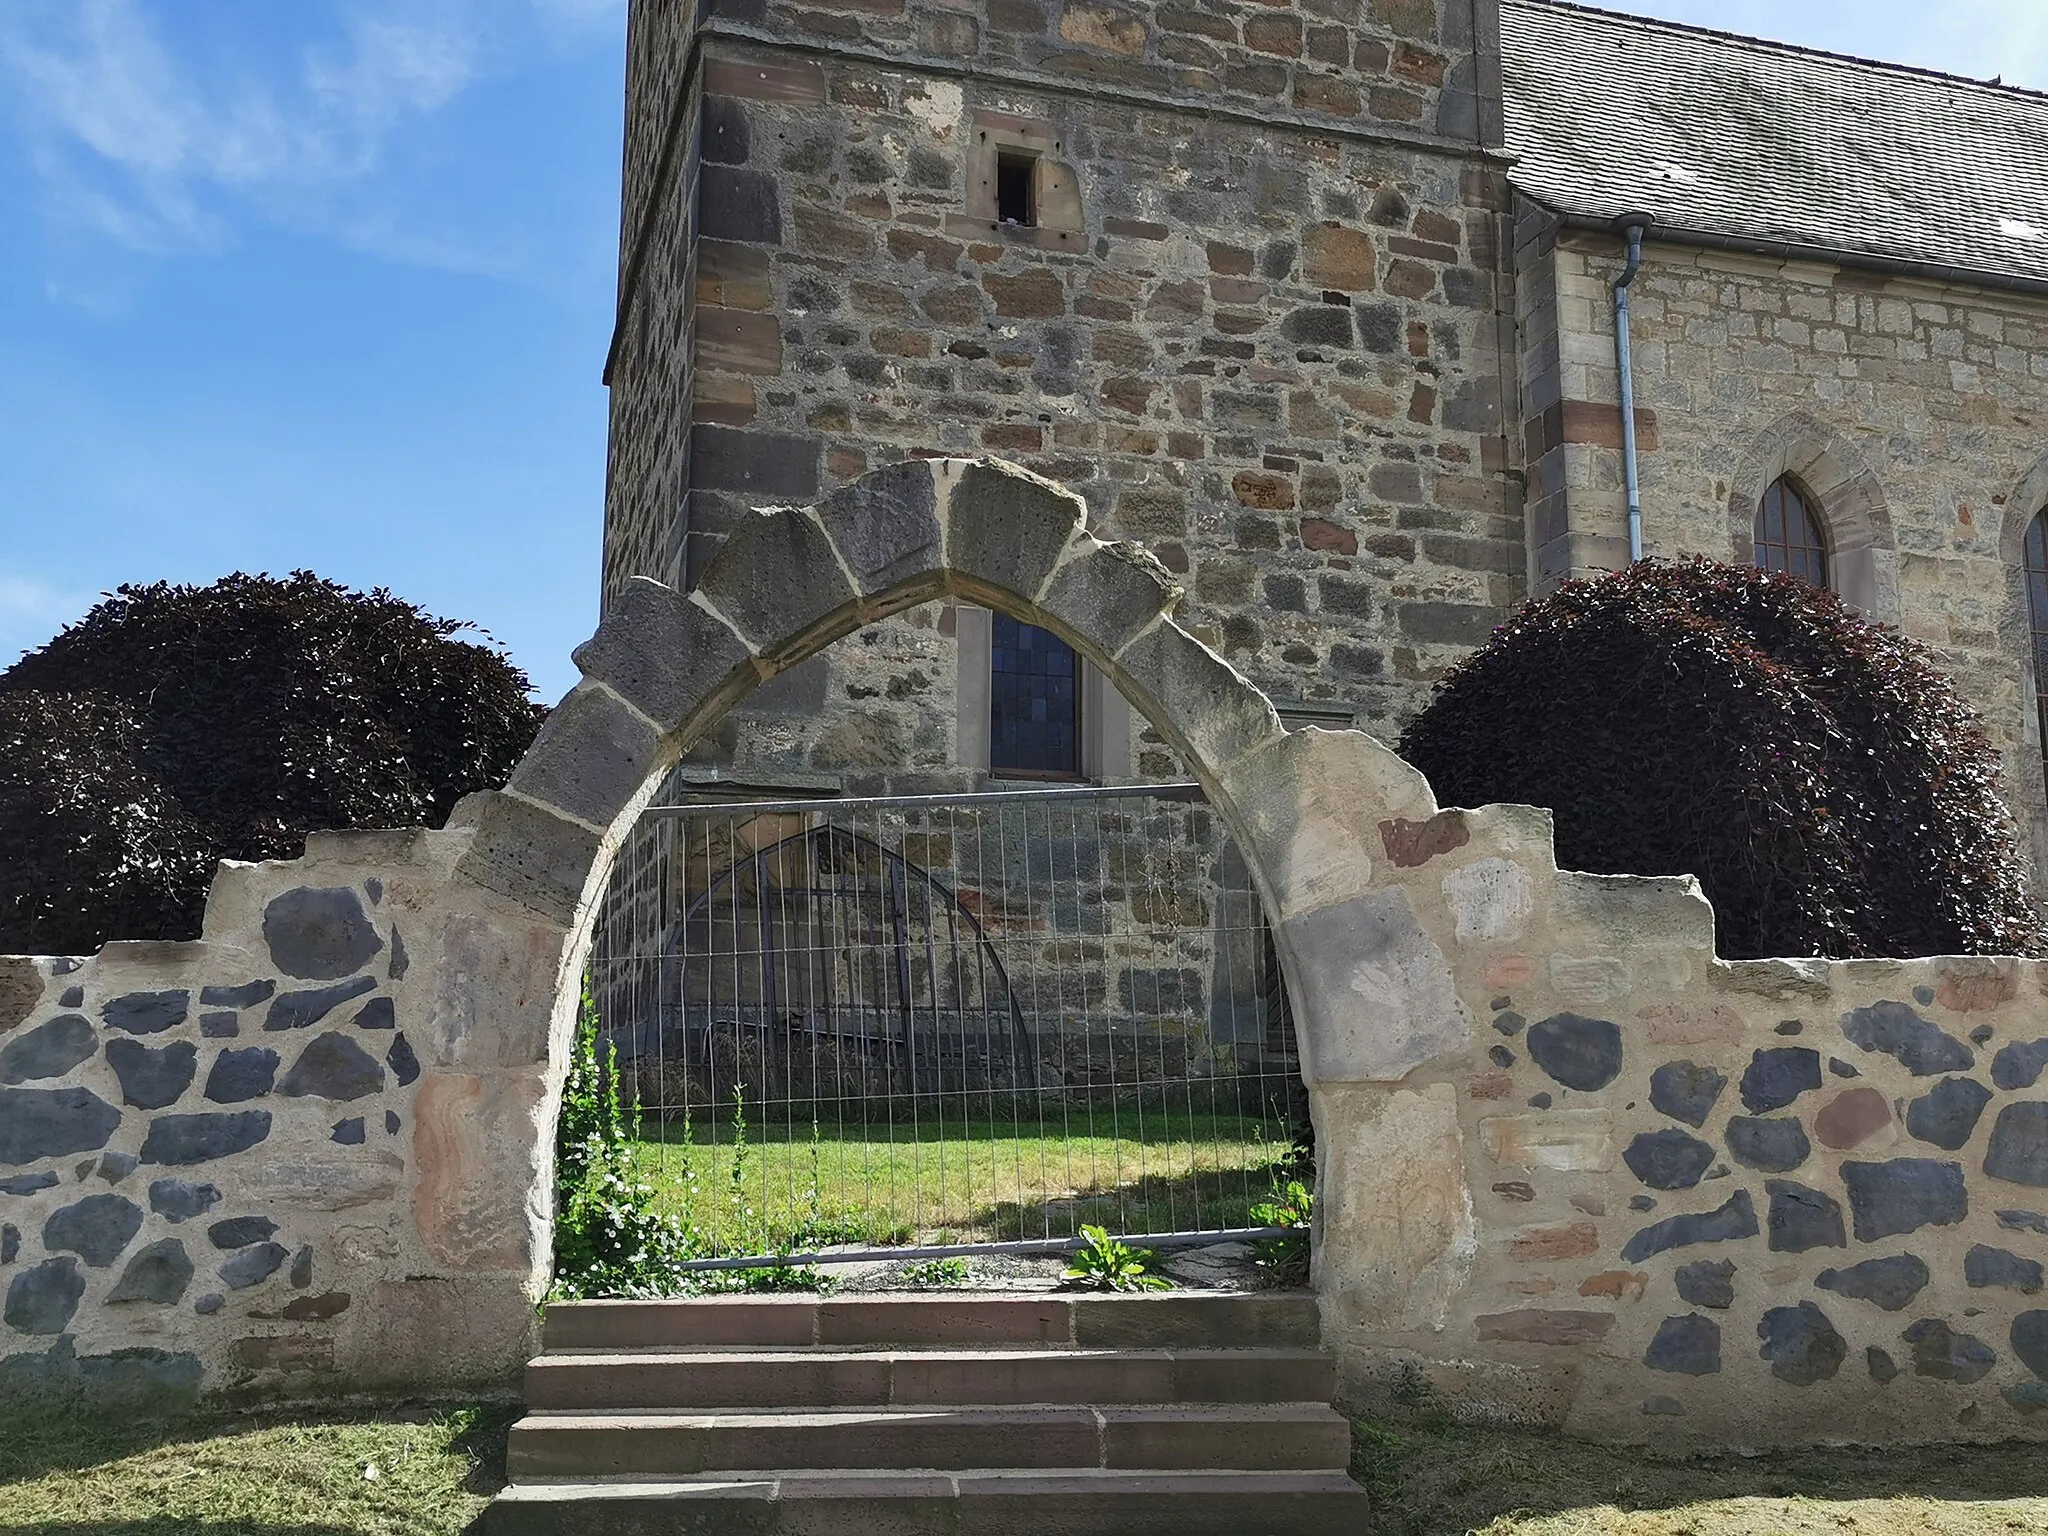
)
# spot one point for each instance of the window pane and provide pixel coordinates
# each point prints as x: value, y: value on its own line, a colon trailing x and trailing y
x: 1788, y: 535
x: 1034, y: 700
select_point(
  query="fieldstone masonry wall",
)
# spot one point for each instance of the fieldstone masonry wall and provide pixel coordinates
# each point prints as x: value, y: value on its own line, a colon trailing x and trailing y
x: 1572, y: 1167
x: 1259, y: 325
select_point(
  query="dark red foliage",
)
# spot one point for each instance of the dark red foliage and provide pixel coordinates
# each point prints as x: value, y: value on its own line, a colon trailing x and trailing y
x: 174, y: 726
x: 1819, y: 774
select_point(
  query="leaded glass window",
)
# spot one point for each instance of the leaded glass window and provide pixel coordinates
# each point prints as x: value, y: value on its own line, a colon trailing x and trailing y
x: 1789, y: 536
x: 1034, y: 702
x: 2037, y: 613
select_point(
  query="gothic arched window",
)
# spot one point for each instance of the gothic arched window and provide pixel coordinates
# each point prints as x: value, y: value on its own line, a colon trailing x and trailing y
x: 1789, y: 536
x: 2037, y: 613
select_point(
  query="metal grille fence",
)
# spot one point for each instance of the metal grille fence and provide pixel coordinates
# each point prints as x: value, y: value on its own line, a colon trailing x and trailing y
x: 947, y: 1024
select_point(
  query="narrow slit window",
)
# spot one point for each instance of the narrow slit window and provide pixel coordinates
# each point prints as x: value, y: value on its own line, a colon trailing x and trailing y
x: 1034, y: 702
x: 1017, y: 189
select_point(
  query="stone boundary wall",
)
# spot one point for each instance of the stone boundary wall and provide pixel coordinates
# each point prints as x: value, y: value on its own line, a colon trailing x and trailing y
x: 218, y: 1159
x: 1574, y: 1169
x: 1606, y: 1181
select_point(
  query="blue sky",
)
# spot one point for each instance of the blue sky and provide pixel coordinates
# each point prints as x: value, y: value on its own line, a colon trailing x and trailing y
x: 329, y: 283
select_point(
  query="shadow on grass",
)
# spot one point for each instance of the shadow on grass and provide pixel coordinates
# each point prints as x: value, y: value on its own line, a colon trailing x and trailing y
x: 1429, y: 1476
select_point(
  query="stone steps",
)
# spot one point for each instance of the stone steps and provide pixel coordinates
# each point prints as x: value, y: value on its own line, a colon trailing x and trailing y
x: 1187, y: 1414
x: 986, y: 1503
x: 1249, y: 1437
x: 834, y: 1378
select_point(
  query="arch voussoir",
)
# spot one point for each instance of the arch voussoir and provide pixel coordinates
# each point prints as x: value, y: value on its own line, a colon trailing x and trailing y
x: 781, y: 583
x: 593, y: 753
x: 886, y: 529
x: 1210, y: 713
x: 1102, y: 596
x: 1006, y: 530
x: 664, y: 654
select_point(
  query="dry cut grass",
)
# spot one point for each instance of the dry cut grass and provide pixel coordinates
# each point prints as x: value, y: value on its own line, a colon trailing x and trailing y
x: 138, y: 1472
x: 1433, y: 1478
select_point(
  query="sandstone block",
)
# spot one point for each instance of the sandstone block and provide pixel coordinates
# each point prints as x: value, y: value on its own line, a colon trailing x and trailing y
x: 779, y: 581
x: 1106, y: 593
x: 593, y: 755
x: 1376, y: 998
x: 1006, y: 529
x: 664, y: 653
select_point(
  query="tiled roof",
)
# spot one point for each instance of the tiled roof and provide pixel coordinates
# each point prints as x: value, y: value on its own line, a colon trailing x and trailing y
x: 1756, y: 141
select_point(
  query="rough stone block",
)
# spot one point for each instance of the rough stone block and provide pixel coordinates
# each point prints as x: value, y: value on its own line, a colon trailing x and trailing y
x: 1690, y: 1346
x: 664, y: 653
x: 1686, y: 1091
x: 1564, y: 1141
x: 1668, y: 1159
x: 43, y: 1299
x: 1921, y: 1047
x: 780, y: 583
x: 180, y: 1200
x: 1727, y: 1223
x: 1580, y: 1053
x: 51, y: 1049
x: 157, y: 1274
x: 1104, y: 594
x: 152, y: 1078
x: 1376, y: 998
x: 886, y: 528
x: 530, y: 856
x: 1544, y: 1325
x: 1947, y: 1114
x: 319, y: 933
x: 1006, y: 529
x: 1309, y: 805
x: 175, y: 1140
x: 2019, y: 1145
x: 1801, y: 1344
x: 1769, y: 1146
x: 1891, y: 1283
x: 21, y: 988
x: 1852, y: 1118
x: 1892, y: 1198
x: 36, y: 1123
x: 592, y: 757
x: 96, y: 1228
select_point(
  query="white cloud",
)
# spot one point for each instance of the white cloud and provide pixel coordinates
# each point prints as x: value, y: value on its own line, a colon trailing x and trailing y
x: 166, y: 149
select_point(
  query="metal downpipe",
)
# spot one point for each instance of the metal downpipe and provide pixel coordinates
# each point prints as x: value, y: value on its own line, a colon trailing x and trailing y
x: 1632, y: 226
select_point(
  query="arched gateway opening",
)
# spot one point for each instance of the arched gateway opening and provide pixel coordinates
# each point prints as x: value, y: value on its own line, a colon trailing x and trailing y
x: 664, y: 667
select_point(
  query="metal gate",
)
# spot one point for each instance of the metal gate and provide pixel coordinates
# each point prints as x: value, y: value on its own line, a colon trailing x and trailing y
x: 935, y: 1025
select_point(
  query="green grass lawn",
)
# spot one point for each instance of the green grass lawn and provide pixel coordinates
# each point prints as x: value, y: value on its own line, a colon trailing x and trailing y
x: 948, y: 1176
x: 280, y: 1473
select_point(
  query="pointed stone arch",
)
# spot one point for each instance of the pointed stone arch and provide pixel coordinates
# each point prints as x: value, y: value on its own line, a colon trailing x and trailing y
x: 2024, y: 767
x: 1373, y: 994
x: 1843, y: 488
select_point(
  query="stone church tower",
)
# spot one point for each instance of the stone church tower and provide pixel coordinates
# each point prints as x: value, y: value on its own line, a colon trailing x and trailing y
x: 1232, y: 271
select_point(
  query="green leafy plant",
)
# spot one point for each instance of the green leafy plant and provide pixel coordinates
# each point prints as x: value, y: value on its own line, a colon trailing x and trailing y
x: 1108, y: 1264
x: 609, y: 1238
x: 935, y: 1274
x: 1284, y: 1258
